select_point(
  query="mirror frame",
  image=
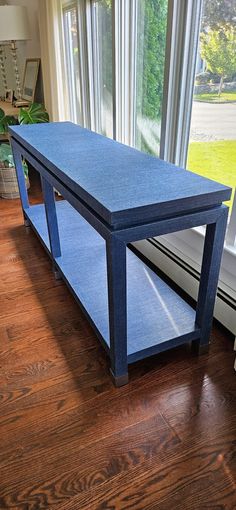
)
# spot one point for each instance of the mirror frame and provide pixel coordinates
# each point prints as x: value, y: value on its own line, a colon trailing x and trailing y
x: 37, y: 60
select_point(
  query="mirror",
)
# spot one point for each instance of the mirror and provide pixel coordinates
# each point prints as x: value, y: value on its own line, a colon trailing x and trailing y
x: 30, y: 79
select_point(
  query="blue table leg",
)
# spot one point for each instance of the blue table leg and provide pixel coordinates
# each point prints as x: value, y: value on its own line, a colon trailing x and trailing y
x: 52, y: 224
x: 213, y: 249
x: 21, y: 181
x: 117, y: 298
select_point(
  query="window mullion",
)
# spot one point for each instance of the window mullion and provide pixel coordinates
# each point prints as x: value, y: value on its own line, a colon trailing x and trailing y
x: 231, y: 232
x: 182, y: 37
x: 168, y: 101
x: 132, y: 69
x: 71, y: 64
x: 68, y: 63
x: 88, y: 7
x: 96, y: 75
x: 116, y: 95
x: 127, y: 28
x: 92, y: 55
x: 124, y: 65
x: 83, y: 61
x: 124, y: 59
x: 72, y: 78
x: 193, y: 20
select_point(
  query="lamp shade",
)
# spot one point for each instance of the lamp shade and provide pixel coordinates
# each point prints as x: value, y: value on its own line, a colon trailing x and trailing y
x: 14, y: 23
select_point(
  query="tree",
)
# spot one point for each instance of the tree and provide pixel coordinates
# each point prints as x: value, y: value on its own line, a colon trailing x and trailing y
x: 218, y: 12
x: 218, y: 49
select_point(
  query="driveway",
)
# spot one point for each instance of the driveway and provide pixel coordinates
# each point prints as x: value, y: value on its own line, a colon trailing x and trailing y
x: 213, y: 122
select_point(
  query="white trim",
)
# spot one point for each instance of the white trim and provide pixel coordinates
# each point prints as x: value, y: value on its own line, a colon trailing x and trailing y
x: 192, y: 30
x: 124, y: 66
x: 231, y: 233
x: 90, y: 15
x: 168, y: 77
x: 83, y: 62
x: 72, y: 84
x: 133, y: 71
x: 182, y: 42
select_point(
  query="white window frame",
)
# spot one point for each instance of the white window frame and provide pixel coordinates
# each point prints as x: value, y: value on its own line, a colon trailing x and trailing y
x: 231, y: 232
x: 75, y: 111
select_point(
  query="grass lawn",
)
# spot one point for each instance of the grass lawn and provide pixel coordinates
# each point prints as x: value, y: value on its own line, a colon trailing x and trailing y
x: 225, y: 97
x: 215, y: 160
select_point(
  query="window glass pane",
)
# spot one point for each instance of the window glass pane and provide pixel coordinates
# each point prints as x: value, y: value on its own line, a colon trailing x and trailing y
x: 102, y: 39
x: 72, y: 63
x: 150, y: 59
x: 212, y: 148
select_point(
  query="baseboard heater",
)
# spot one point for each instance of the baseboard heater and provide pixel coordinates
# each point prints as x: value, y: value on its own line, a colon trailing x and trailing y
x: 186, y: 278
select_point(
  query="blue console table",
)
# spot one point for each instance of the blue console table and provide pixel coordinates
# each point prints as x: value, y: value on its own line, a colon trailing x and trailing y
x: 114, y: 195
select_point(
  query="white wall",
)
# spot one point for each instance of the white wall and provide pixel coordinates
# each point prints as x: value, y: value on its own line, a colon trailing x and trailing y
x: 25, y: 49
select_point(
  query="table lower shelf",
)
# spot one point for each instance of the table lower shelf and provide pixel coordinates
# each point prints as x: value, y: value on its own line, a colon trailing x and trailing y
x: 157, y: 317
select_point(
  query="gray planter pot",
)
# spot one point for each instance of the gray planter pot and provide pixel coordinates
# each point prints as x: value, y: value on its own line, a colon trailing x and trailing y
x: 8, y: 183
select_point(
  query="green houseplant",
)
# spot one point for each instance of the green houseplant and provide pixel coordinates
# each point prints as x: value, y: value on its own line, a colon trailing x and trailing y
x: 35, y: 113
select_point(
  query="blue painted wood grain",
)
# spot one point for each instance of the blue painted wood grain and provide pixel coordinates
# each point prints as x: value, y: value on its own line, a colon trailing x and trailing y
x: 20, y: 178
x: 116, y: 252
x: 51, y: 217
x: 212, y: 254
x: 121, y: 184
x: 155, y: 313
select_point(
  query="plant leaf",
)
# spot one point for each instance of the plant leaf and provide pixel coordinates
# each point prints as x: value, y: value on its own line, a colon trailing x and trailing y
x: 5, y: 152
x: 5, y: 121
x: 10, y: 120
x: 33, y: 115
x: 2, y: 115
x: 2, y: 122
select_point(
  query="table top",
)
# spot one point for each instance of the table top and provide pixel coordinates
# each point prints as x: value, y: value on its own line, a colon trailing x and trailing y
x: 121, y: 184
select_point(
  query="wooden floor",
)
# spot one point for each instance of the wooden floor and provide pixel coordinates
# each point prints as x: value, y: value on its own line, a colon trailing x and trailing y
x: 68, y: 439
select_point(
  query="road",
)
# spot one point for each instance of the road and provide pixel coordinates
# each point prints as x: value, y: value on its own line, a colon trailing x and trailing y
x: 213, y: 122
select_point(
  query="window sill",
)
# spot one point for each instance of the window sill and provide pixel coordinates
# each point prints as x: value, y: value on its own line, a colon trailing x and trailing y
x: 227, y: 247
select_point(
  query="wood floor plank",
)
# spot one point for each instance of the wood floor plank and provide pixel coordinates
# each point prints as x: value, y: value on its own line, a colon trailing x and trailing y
x: 200, y: 478
x: 115, y: 454
x: 34, y: 404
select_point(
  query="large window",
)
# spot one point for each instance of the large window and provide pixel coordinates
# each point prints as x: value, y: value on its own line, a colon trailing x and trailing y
x: 120, y: 52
